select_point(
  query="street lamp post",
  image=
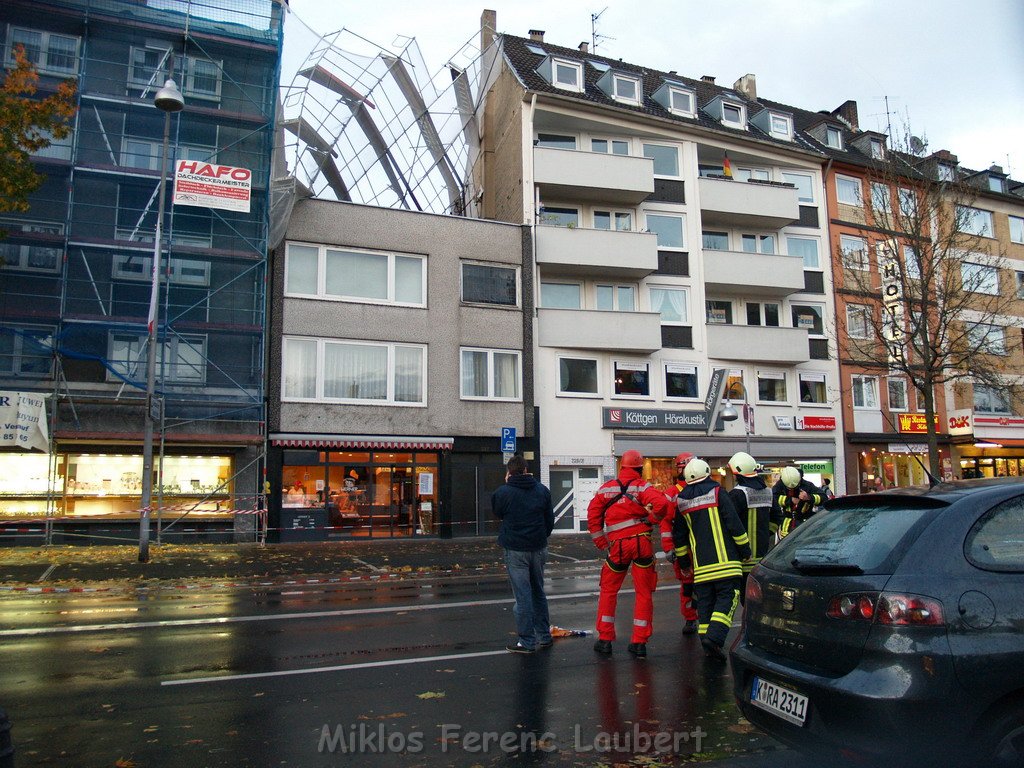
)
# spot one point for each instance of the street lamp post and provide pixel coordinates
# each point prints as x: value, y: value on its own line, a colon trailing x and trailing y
x: 168, y: 99
x: 729, y: 412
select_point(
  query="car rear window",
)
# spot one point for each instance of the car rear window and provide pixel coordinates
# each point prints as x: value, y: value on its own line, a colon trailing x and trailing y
x: 996, y: 541
x: 871, y: 538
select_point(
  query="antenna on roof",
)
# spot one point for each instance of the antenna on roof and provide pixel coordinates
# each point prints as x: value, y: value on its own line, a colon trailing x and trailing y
x: 594, y: 36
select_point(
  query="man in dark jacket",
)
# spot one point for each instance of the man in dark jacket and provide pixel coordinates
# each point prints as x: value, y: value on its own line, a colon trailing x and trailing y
x: 527, y: 516
x: 796, y: 497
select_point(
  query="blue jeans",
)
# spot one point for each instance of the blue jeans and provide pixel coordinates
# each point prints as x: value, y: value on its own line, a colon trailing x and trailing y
x: 526, y: 575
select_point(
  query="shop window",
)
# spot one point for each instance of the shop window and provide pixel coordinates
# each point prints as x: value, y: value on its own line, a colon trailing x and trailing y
x: 491, y: 374
x: 681, y: 382
x: 812, y: 389
x: 577, y: 376
x: 632, y: 379
x: 490, y: 284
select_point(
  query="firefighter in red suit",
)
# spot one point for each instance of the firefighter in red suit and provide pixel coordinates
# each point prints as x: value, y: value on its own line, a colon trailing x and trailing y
x: 686, y: 605
x: 621, y: 517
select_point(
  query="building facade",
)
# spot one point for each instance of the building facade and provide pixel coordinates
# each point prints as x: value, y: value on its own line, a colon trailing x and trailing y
x: 401, y: 374
x: 75, y: 281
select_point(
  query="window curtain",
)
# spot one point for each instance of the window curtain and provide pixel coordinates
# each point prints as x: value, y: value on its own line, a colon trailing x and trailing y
x: 299, y: 368
x: 359, y: 275
x: 506, y: 375
x: 474, y: 373
x: 671, y: 304
x: 355, y: 372
x: 409, y: 375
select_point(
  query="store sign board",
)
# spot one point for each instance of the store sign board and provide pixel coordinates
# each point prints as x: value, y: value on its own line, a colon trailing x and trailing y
x: 646, y: 418
x: 23, y: 421
x: 961, y: 422
x: 819, y: 467
x: 816, y: 423
x: 915, y: 423
x: 783, y: 422
x: 908, y: 448
x: 212, y: 186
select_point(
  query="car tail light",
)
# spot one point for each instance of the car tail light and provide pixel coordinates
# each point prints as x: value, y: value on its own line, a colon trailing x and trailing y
x: 888, y: 608
x: 754, y: 594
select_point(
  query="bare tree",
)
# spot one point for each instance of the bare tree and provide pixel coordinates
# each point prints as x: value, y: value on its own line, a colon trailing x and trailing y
x: 930, y: 307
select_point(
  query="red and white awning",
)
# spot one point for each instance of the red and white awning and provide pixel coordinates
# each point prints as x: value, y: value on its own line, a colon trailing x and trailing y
x: 363, y: 442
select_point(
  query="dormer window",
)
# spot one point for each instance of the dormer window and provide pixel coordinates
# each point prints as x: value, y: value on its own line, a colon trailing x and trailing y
x: 833, y: 137
x: 733, y: 115
x: 681, y: 102
x: 944, y: 172
x: 781, y: 126
x: 626, y: 89
x: 567, y: 75
x: 996, y: 184
x: 877, y: 149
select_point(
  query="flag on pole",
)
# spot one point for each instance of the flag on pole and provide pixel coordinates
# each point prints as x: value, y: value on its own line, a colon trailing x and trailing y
x: 726, y: 167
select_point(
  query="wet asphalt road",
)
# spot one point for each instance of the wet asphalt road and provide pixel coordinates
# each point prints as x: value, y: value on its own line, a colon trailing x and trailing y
x: 406, y: 673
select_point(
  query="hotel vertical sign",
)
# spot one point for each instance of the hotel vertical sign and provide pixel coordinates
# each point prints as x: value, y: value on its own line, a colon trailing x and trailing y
x: 892, y: 304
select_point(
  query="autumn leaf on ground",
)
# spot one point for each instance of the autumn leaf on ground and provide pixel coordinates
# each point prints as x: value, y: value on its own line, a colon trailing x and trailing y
x: 430, y: 695
x: 124, y: 763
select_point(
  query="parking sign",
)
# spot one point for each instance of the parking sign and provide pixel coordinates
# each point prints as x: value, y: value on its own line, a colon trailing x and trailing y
x: 508, y: 439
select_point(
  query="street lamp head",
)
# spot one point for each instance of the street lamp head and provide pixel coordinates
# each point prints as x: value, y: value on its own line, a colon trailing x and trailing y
x: 169, y: 98
x: 729, y: 412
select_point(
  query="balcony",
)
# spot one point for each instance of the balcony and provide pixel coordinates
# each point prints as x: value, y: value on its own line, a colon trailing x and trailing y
x: 638, y: 332
x: 593, y: 176
x: 758, y: 344
x: 589, y: 252
x: 752, y: 274
x: 747, y: 203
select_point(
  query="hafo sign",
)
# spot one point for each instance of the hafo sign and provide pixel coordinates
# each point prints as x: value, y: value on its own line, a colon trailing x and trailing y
x: 212, y: 186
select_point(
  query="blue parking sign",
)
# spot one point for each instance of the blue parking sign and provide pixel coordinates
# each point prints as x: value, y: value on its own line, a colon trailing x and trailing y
x: 508, y: 439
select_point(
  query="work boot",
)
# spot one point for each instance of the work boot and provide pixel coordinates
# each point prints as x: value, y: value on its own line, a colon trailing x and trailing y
x: 690, y: 627
x: 603, y: 647
x: 638, y: 649
x: 712, y: 649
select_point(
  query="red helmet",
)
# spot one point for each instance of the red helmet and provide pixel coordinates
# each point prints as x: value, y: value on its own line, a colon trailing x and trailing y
x: 633, y: 459
x: 683, y: 459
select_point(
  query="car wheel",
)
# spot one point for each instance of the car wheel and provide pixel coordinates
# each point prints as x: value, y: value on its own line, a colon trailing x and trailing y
x: 1004, y: 745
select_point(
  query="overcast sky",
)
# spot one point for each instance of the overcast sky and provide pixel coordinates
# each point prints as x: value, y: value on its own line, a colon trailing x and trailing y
x: 954, y: 70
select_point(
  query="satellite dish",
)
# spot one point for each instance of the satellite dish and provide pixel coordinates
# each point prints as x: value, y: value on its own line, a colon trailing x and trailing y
x: 917, y: 146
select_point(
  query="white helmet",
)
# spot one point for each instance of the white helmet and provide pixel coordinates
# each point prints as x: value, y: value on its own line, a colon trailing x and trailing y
x: 791, y: 477
x: 696, y: 470
x: 743, y: 463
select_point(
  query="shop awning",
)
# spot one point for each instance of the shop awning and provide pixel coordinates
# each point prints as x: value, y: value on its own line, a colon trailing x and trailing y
x: 363, y: 442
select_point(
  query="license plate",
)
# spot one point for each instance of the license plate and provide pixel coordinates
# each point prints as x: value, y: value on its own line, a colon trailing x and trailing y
x: 780, y: 701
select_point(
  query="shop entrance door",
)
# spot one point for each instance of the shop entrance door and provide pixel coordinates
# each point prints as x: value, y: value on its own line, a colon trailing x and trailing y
x: 392, y: 501
x: 571, y: 492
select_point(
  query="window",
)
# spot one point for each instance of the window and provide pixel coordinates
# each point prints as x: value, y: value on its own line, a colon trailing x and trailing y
x: 719, y: 312
x: 758, y: 243
x: 766, y: 314
x: 632, y: 379
x: 666, y: 159
x: 555, y: 141
x: 996, y: 184
x: 771, y: 387
x: 974, y: 221
x: 145, y: 153
x: 626, y: 89
x: 911, y: 263
x: 993, y: 543
x: 848, y: 190
x: 734, y: 115
x: 179, y: 359
x: 854, y: 253
x: 577, y: 376
x: 30, y: 258
x: 979, y: 278
x: 567, y: 74
x: 360, y: 276
x: 865, y: 392
x: 990, y: 400
x: 491, y: 374
x: 804, y: 185
x: 1016, y: 229
x: 757, y: 174
x: 134, y: 266
x: 781, y: 126
x: 681, y: 101
x: 610, y: 146
x: 672, y: 303
x: 908, y: 204
x: 812, y: 388
x: 715, y: 241
x: 149, y: 66
x: 620, y: 221
x: 561, y: 295
x: 681, y: 381
x: 880, y: 203
x: 356, y: 372
x: 810, y: 317
x: 26, y: 351
x: 559, y: 217
x: 858, y: 321
x: 833, y: 137
x: 898, y: 400
x: 202, y: 77
x: 669, y: 230
x: 805, y: 247
x: 877, y: 149
x: 616, y: 298
x: 490, y: 284
x: 48, y: 51
x: 1020, y: 285
x: 945, y: 172
x: 986, y: 338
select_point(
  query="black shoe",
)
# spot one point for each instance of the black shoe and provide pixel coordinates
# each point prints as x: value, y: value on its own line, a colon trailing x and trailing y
x: 518, y: 647
x: 547, y: 644
x: 690, y: 627
x: 603, y: 647
x: 638, y: 649
x: 712, y: 649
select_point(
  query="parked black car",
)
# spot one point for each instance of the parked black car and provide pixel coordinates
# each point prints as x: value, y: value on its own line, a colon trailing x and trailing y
x: 890, y: 628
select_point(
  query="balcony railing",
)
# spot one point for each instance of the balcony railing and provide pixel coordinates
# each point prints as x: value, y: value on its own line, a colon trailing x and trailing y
x: 766, y: 205
x: 752, y: 274
x: 581, y: 252
x: 593, y: 176
x: 758, y: 344
x: 638, y: 332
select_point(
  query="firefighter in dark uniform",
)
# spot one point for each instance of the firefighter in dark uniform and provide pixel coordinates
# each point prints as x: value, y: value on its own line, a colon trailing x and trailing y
x: 620, y: 518
x: 687, y: 607
x: 709, y: 536
x: 758, y: 509
x: 796, y: 497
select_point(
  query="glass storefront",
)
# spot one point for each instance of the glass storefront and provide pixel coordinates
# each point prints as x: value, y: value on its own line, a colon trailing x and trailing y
x: 378, y: 493
x: 880, y: 470
x: 86, y: 484
x: 661, y: 471
x: 991, y: 466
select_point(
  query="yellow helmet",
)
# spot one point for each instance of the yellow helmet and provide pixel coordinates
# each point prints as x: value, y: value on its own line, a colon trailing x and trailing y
x: 696, y: 470
x: 791, y: 477
x: 742, y: 463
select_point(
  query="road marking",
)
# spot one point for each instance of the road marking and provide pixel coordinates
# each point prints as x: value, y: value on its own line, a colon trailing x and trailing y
x: 565, y: 557
x: 373, y: 568
x: 47, y: 572
x: 339, y: 668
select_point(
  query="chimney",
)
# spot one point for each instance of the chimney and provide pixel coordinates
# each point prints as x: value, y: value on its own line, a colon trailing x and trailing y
x: 945, y: 156
x: 537, y: 35
x: 747, y: 87
x: 584, y: 47
x: 848, y: 111
x: 997, y: 169
x: 708, y: 79
x: 488, y: 28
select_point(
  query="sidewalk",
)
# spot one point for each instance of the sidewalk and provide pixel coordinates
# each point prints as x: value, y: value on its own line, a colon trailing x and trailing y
x: 65, y: 568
